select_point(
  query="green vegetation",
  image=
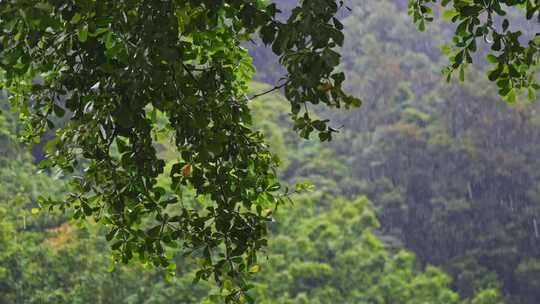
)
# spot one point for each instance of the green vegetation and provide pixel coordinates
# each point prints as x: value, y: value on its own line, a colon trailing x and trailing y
x: 514, y: 56
x: 154, y: 154
x: 322, y: 249
x: 99, y: 73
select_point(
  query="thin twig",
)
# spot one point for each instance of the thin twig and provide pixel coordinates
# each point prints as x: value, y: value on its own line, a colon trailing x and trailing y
x: 269, y: 91
x: 190, y: 74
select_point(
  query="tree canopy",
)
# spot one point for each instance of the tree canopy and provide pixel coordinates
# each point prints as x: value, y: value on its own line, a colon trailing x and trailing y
x: 323, y: 249
x: 113, y: 78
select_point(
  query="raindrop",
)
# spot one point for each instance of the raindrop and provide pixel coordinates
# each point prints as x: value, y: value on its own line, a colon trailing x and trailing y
x: 535, y: 228
x: 487, y: 40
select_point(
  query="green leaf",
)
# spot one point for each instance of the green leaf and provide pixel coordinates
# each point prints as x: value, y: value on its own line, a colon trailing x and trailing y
x: 83, y: 33
x: 445, y: 49
x: 449, y: 14
x: 108, y: 41
x: 531, y: 94
x: 492, y: 59
x: 422, y: 26
x: 76, y: 18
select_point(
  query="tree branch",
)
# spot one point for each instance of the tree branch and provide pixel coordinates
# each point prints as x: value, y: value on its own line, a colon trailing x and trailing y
x: 269, y: 91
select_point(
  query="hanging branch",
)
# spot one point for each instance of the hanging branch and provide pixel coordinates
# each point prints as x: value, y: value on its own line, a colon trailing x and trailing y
x: 275, y: 88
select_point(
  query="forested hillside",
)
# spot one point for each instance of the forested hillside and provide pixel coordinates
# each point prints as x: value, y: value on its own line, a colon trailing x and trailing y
x: 451, y: 168
x: 324, y: 247
x: 429, y: 193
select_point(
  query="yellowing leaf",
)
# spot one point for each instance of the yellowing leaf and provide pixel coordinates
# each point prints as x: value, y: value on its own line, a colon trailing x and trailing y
x: 35, y: 210
x: 254, y: 269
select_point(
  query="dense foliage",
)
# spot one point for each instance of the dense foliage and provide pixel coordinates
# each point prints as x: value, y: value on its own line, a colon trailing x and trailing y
x: 514, y: 56
x: 112, y: 67
x: 323, y: 249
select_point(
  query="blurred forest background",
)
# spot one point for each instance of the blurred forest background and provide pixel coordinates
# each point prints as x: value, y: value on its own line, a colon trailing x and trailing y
x: 430, y: 193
